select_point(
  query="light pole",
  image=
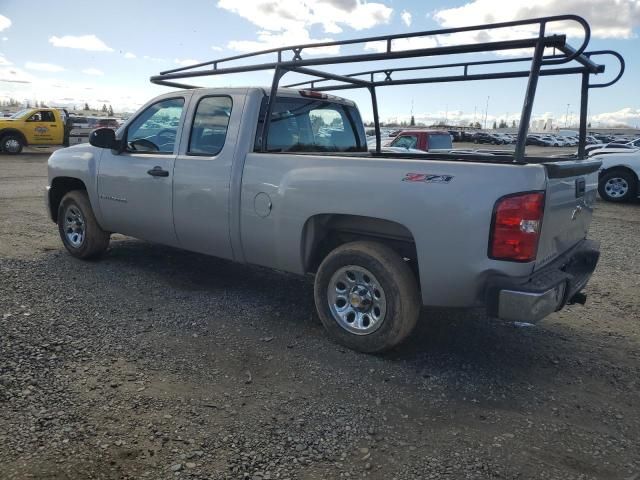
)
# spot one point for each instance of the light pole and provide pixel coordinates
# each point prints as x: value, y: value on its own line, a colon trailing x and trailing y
x: 566, y: 115
x: 475, y: 108
x: 486, y: 109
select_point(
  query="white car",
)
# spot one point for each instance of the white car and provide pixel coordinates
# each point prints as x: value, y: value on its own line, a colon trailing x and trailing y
x: 571, y: 141
x: 619, y: 174
x: 554, y: 141
x: 506, y: 138
x: 613, y: 147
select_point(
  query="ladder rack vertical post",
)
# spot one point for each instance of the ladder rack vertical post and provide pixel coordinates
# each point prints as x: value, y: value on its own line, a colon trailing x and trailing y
x: 376, y: 119
x: 277, y: 75
x: 525, y: 117
x: 584, y: 105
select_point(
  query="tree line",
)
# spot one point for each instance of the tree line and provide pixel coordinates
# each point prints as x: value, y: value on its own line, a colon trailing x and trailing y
x: 12, y: 102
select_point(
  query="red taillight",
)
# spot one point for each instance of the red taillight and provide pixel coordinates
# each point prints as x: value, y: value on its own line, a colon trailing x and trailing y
x: 516, y: 227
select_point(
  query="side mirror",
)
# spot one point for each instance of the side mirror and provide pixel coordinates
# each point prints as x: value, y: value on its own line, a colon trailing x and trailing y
x: 104, y: 138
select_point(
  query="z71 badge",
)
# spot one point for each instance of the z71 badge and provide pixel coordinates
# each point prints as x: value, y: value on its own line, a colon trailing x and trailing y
x: 427, y: 178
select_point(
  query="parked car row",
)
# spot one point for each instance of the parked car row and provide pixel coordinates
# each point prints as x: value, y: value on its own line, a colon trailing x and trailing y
x: 596, y: 143
x: 92, y: 123
x: 543, y: 140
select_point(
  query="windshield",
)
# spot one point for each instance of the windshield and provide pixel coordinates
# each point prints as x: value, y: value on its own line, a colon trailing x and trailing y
x: 20, y: 113
x: 405, y: 141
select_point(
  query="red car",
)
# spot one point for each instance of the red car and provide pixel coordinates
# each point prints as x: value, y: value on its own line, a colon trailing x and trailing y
x: 424, y: 140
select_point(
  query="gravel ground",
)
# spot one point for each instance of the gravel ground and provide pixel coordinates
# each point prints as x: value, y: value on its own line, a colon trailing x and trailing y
x: 158, y: 363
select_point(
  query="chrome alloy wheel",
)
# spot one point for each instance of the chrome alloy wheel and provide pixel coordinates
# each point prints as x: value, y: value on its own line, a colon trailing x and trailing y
x: 616, y: 187
x: 12, y: 145
x: 357, y: 300
x: 74, y: 227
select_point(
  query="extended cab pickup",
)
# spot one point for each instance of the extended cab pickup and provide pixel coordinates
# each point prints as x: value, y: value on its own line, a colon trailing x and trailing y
x: 33, y: 126
x: 383, y: 233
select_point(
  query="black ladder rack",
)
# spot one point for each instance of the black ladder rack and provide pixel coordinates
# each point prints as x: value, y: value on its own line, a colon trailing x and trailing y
x: 290, y: 59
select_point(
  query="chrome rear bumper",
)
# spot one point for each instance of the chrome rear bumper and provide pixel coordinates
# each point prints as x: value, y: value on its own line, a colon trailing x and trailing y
x: 529, y: 307
x: 533, y: 298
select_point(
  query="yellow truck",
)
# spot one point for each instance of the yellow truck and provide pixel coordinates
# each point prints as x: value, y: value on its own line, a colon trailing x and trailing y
x: 34, y: 126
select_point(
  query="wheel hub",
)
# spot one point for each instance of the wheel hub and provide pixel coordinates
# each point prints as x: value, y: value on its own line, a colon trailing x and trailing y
x: 12, y: 145
x: 74, y: 227
x: 616, y: 187
x: 357, y: 300
x: 361, y: 298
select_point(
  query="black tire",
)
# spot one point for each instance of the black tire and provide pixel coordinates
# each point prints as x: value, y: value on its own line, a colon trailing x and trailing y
x: 11, y: 144
x: 399, y: 287
x: 628, y: 177
x: 475, y: 141
x: 95, y: 240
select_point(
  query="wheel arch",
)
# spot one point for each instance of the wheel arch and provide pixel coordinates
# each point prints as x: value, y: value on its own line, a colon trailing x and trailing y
x: 623, y: 168
x: 60, y: 186
x: 13, y: 131
x: 324, y: 232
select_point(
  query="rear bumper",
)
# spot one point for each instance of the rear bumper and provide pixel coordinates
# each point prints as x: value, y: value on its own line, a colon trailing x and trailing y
x: 532, y: 298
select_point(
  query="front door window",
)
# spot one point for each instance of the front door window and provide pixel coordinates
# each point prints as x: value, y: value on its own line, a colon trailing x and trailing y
x: 156, y: 128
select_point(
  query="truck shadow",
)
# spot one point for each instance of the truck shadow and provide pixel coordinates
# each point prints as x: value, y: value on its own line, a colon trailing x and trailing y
x: 444, y: 338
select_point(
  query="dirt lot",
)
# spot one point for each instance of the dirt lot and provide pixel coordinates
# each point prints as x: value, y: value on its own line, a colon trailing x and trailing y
x: 158, y: 363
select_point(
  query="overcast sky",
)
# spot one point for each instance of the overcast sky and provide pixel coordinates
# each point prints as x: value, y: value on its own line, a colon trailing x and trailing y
x: 68, y: 52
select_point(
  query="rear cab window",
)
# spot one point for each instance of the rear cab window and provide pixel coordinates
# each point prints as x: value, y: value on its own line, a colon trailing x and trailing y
x: 439, y: 141
x: 313, y: 125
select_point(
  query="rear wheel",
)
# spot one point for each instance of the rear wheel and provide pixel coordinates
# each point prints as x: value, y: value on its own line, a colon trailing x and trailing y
x: 78, y: 228
x: 367, y: 296
x: 618, y: 186
x: 11, y: 144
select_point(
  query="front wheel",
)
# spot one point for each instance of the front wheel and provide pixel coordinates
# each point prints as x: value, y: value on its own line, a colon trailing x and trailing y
x: 78, y: 227
x: 367, y: 296
x: 11, y: 144
x: 618, y: 186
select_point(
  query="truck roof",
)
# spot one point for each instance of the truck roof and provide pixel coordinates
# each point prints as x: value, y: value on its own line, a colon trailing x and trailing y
x: 282, y: 92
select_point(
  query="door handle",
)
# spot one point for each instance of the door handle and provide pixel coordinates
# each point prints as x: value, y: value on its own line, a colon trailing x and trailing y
x: 157, y: 171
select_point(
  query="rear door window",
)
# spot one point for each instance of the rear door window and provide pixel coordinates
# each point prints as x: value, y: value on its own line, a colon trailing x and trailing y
x: 47, y: 116
x: 314, y: 125
x: 209, y: 129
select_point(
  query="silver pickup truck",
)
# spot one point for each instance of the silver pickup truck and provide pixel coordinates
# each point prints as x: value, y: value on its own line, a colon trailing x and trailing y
x: 383, y: 233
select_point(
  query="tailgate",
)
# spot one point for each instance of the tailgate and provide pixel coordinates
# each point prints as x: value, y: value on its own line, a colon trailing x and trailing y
x: 570, y: 198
